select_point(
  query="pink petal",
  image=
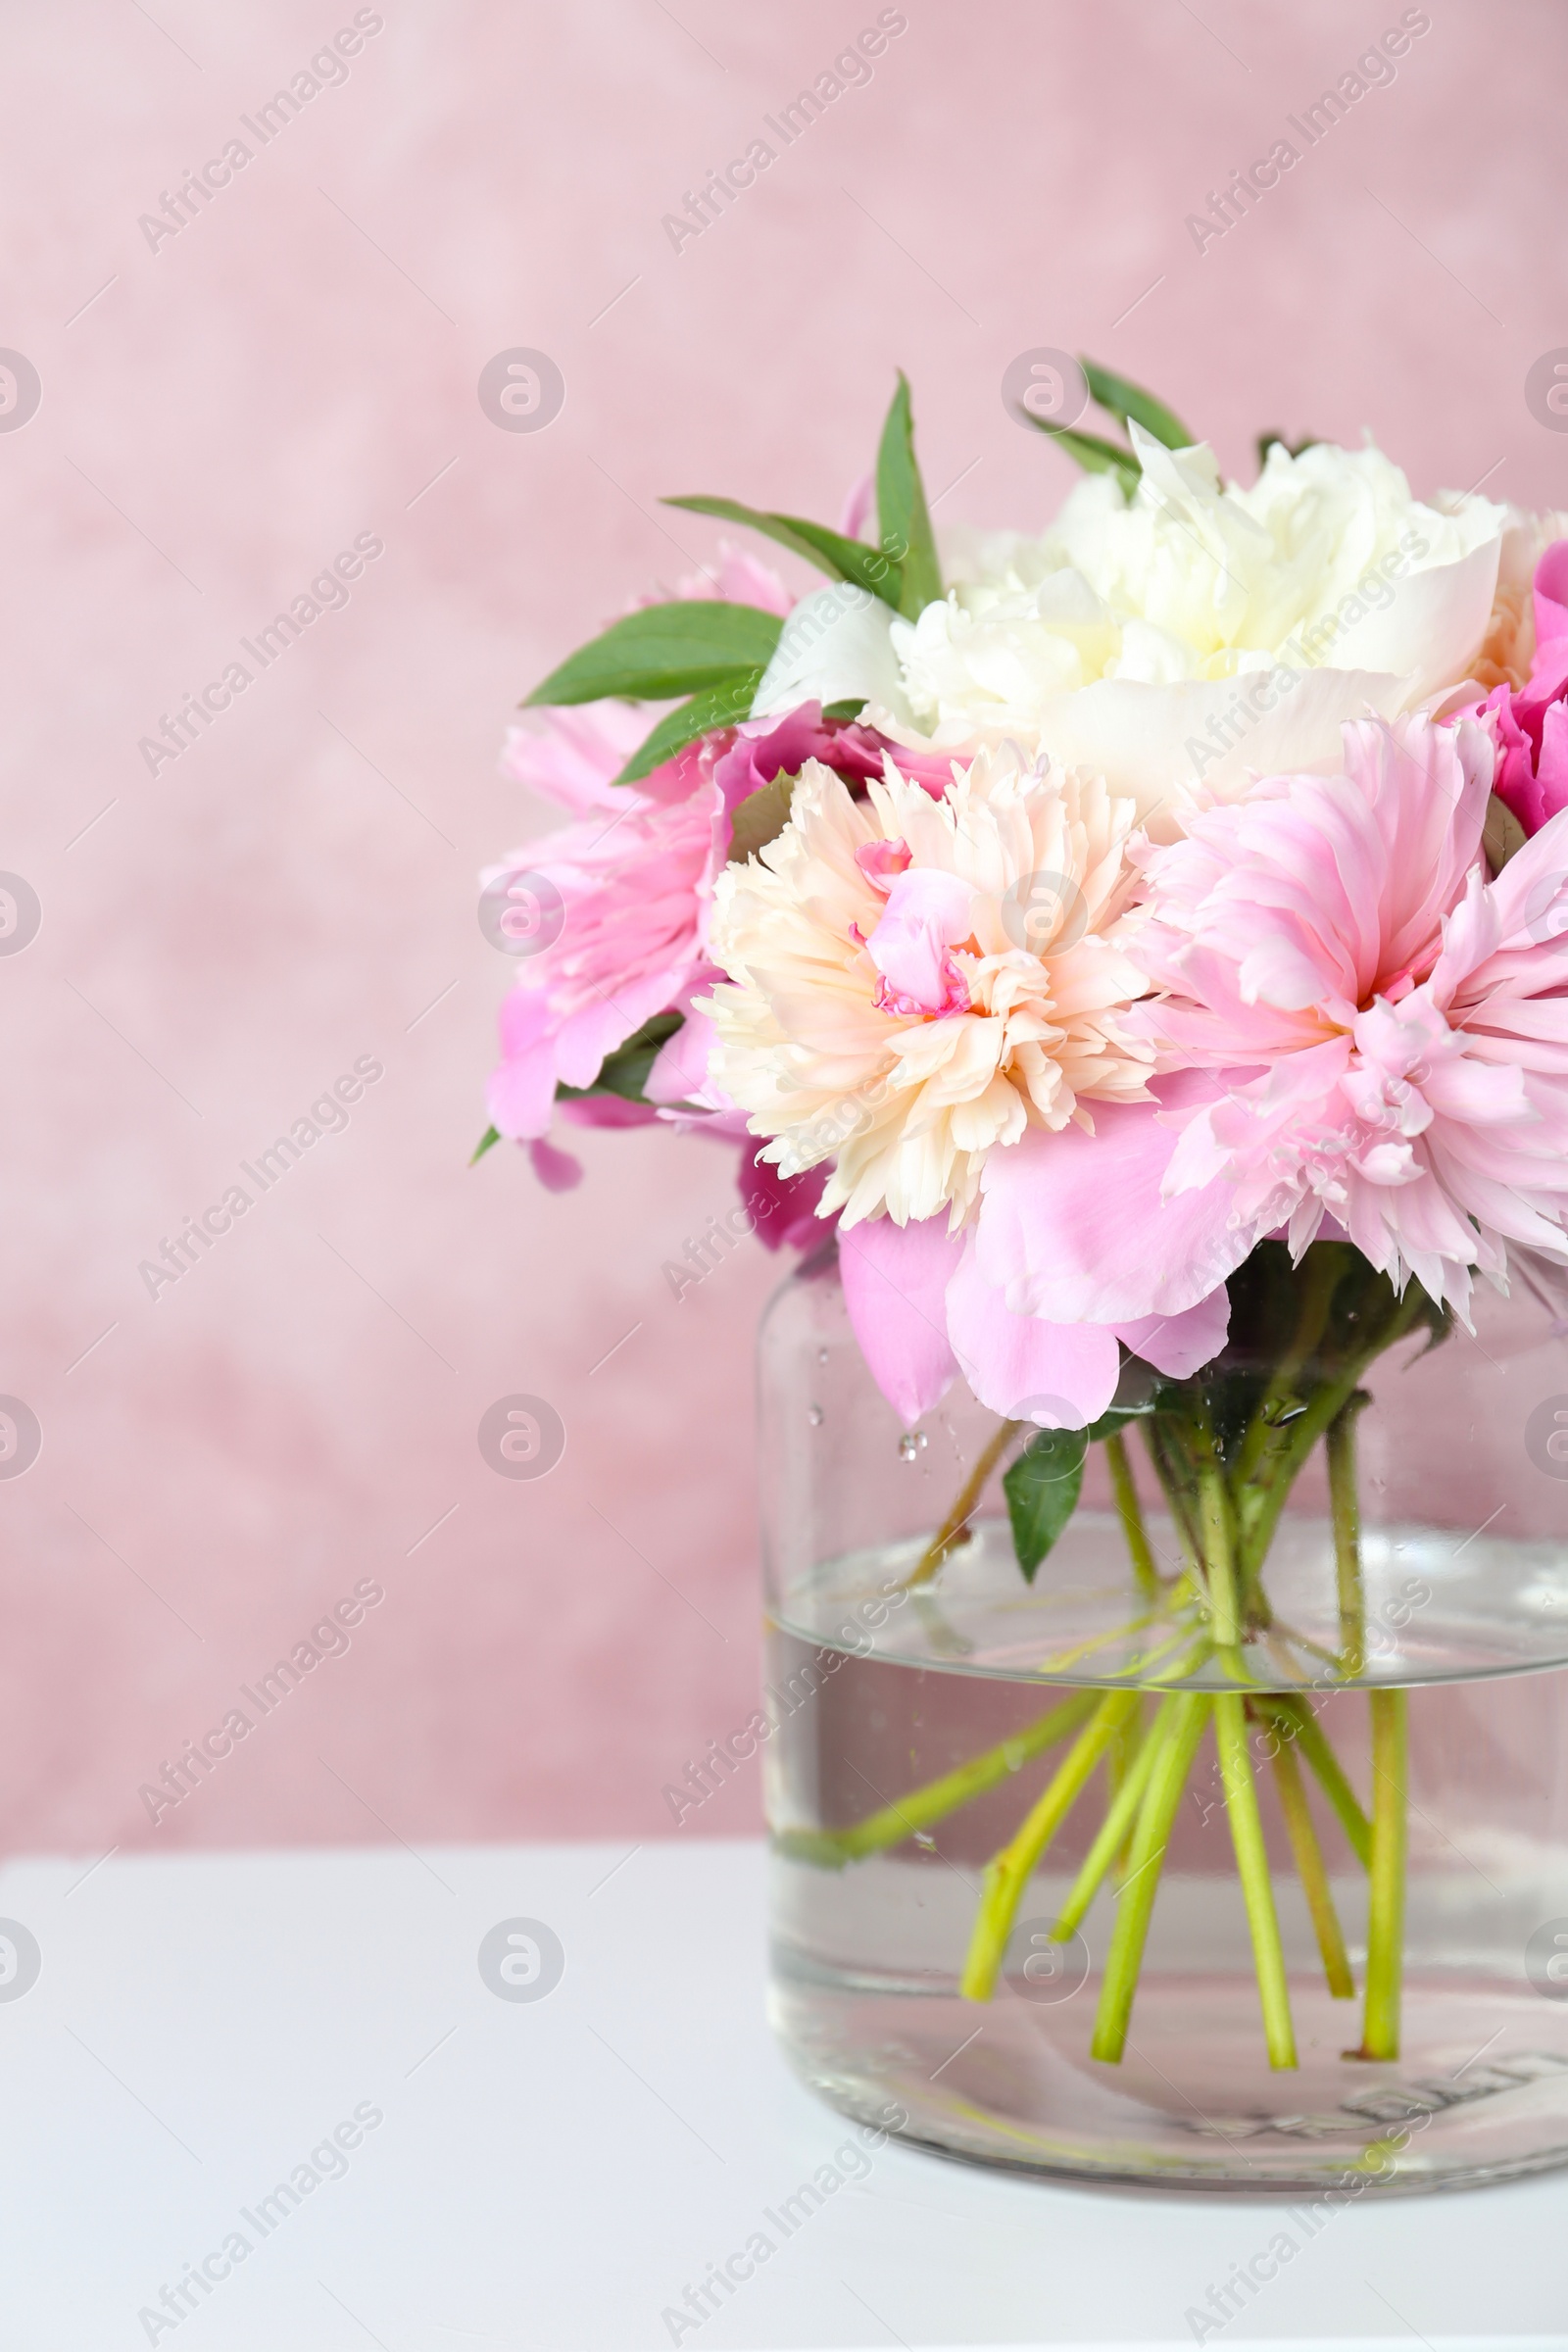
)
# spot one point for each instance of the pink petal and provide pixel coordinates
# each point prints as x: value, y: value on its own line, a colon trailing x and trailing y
x: 1060, y: 1375
x: 927, y: 913
x: 557, y: 1171
x: 1074, y: 1227
x: 895, y: 1277
x: 1180, y: 1344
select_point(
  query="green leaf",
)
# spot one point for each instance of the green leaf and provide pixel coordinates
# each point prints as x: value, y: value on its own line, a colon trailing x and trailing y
x: 663, y: 650
x: 850, y: 709
x: 491, y: 1135
x: 903, y: 517
x: 1095, y: 455
x: 1121, y: 400
x: 840, y: 558
x: 626, y: 1071
x: 1042, y: 1489
x: 716, y: 707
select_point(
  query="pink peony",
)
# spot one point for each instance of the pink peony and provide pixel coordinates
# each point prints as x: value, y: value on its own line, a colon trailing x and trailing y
x: 923, y: 1311
x: 1529, y: 723
x: 634, y: 883
x: 1372, y: 1033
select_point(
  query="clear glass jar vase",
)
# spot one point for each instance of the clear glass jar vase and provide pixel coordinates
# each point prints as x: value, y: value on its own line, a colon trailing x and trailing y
x: 1231, y: 1849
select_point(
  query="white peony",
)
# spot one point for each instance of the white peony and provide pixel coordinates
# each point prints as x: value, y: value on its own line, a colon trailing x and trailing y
x: 1198, y: 634
x: 917, y: 980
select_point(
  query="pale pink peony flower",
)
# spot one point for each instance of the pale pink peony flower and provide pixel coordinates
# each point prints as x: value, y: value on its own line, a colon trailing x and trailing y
x: 918, y: 981
x: 1370, y: 1032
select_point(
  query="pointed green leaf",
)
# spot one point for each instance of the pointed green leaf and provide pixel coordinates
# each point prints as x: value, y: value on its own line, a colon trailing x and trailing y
x: 626, y: 1071
x: 663, y: 650
x: 903, y: 517
x: 1096, y: 456
x: 1042, y: 1489
x: 716, y: 707
x: 491, y: 1135
x: 1121, y: 400
x: 840, y: 558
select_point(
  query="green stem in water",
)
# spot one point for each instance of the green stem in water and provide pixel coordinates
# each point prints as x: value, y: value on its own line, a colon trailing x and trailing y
x: 1131, y: 1514
x: 956, y: 1522
x: 1325, y: 1269
x: 1311, y: 1871
x: 1266, y: 1495
x: 1190, y: 1711
x: 1294, y: 1720
x: 1219, y: 1572
x: 1008, y: 1873
x: 1344, y: 1506
x: 1114, y: 1828
x: 1174, y: 1474
x: 1385, y: 1936
x: 831, y: 1850
x: 1251, y: 1864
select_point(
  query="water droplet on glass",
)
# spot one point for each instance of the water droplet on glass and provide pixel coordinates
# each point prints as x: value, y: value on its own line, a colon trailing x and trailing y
x: 908, y: 1448
x: 821, y: 1355
x: 814, y: 1415
x: 925, y: 1839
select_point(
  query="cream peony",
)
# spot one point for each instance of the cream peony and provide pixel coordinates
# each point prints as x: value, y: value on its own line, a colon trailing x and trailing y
x: 1201, y: 634
x: 1509, y: 646
x: 917, y: 979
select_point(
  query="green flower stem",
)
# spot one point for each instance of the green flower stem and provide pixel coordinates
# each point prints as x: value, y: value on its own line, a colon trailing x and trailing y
x: 831, y: 1850
x: 1214, y: 1505
x: 956, y: 1522
x: 1114, y: 1828
x: 1008, y: 1873
x: 1251, y: 1864
x: 1263, y: 1499
x: 1311, y: 1870
x: 1324, y: 1272
x: 1190, y: 1711
x: 1294, y: 1720
x: 1130, y: 1511
x: 1344, y: 1507
x: 1384, y: 1938
x: 1174, y: 1474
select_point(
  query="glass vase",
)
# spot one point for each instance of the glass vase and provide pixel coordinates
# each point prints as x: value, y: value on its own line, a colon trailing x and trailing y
x: 1230, y: 1850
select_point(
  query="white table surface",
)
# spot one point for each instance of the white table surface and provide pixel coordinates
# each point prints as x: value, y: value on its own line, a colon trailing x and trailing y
x: 553, y: 2173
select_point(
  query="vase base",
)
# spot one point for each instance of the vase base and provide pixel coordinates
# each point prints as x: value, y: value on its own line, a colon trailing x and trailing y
x: 1480, y: 2097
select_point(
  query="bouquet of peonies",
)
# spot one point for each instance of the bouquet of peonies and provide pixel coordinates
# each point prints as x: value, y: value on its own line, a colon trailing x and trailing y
x: 1147, y: 942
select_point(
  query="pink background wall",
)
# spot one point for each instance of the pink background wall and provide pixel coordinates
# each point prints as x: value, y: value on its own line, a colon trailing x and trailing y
x: 221, y: 940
